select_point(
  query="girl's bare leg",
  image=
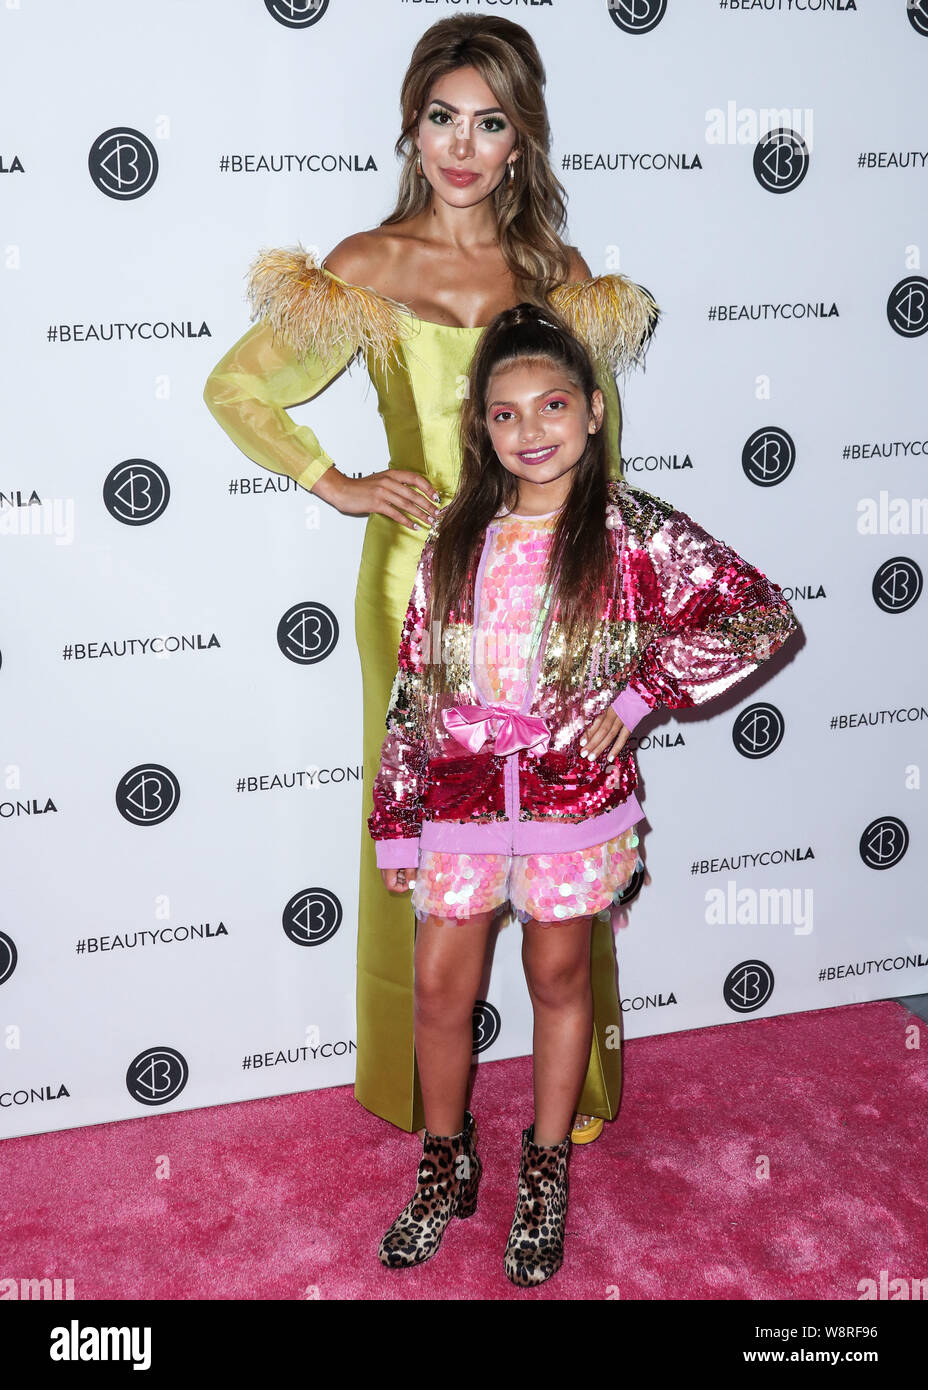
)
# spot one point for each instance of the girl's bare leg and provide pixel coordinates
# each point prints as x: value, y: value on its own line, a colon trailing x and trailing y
x: 449, y: 958
x: 556, y: 957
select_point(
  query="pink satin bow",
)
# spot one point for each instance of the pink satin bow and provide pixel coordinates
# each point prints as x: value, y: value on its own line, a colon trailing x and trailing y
x: 473, y: 724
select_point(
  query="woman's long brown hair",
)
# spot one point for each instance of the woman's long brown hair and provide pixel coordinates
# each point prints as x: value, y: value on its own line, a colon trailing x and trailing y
x: 580, y: 568
x: 531, y: 207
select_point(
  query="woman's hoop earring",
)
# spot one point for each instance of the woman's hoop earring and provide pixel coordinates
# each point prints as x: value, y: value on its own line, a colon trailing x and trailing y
x: 419, y: 164
x: 512, y: 172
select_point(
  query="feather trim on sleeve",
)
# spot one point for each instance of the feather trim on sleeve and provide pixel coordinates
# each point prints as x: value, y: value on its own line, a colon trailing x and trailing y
x: 315, y: 312
x: 611, y: 314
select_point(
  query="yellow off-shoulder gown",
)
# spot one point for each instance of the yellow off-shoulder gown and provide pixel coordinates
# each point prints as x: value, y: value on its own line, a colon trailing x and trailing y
x: 310, y: 324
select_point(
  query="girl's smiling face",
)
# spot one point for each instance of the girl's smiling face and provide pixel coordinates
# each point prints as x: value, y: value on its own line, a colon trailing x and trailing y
x: 539, y: 423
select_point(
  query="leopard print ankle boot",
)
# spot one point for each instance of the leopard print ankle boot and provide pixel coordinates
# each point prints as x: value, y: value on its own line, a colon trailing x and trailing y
x: 446, y: 1186
x: 535, y: 1249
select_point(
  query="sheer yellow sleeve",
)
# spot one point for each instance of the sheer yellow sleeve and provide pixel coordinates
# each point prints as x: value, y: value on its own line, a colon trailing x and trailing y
x: 251, y: 387
x: 612, y: 419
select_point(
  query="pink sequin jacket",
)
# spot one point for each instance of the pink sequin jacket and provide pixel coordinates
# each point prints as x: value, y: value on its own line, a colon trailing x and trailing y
x: 686, y: 618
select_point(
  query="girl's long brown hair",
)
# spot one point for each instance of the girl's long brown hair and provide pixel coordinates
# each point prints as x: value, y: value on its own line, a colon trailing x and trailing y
x: 531, y: 207
x: 580, y: 569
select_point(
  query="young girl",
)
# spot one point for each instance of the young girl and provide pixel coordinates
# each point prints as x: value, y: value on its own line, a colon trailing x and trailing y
x: 553, y: 607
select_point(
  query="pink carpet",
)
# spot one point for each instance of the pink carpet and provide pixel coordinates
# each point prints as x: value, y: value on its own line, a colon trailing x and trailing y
x: 271, y: 1199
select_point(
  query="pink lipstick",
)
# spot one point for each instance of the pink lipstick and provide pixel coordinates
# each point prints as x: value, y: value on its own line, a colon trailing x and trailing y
x: 538, y: 455
x: 460, y: 177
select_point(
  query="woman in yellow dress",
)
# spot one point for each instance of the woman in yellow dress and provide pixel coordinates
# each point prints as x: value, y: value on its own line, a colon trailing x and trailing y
x: 475, y: 230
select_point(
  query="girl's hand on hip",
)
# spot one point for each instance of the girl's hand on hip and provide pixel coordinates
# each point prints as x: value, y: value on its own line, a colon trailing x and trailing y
x: 395, y: 492
x: 606, y: 729
x: 399, y: 880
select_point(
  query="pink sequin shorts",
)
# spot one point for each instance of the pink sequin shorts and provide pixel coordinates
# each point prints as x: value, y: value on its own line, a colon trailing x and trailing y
x: 549, y: 887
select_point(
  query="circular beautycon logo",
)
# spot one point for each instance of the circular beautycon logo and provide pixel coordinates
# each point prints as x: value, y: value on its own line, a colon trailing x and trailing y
x: 157, y: 1075
x: 748, y: 986
x: 884, y: 842
x: 147, y: 794
x: 123, y: 163
x: 907, y: 307
x: 312, y: 917
x: 8, y: 957
x: 897, y: 585
x: 758, y: 730
x: 768, y: 456
x: 781, y: 160
x: 307, y: 633
x: 636, y: 16
x: 136, y: 492
x: 296, y: 14
x: 487, y: 1024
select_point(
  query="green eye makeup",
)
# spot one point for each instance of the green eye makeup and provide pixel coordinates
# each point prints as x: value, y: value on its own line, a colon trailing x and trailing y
x: 496, y: 123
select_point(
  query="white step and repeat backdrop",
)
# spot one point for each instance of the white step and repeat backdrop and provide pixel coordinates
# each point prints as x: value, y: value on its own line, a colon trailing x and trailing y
x: 180, y: 806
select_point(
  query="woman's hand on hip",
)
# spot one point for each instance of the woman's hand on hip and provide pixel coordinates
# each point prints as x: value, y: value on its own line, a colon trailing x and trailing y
x: 606, y: 729
x: 399, y: 880
x: 395, y: 492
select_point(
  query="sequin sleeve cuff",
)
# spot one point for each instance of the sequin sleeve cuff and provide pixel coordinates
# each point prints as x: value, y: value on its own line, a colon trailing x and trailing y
x: 718, y: 616
x: 397, y: 854
x: 631, y: 708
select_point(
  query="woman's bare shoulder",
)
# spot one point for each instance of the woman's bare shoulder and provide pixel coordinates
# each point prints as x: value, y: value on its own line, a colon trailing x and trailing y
x: 364, y: 258
x: 578, y: 269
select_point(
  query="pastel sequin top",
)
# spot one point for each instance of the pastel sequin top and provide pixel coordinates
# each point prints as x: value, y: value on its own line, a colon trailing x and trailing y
x: 510, y: 599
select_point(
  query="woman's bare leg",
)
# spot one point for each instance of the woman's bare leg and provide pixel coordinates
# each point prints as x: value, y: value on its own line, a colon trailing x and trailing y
x: 556, y: 957
x: 449, y: 957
